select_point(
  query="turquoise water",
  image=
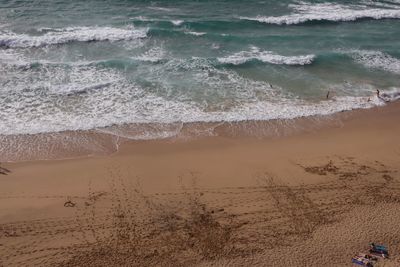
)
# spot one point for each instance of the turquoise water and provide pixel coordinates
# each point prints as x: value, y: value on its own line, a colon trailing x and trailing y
x: 79, y: 65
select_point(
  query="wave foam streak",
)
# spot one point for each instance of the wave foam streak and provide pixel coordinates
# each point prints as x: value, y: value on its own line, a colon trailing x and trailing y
x: 266, y: 56
x: 72, y: 34
x: 306, y: 12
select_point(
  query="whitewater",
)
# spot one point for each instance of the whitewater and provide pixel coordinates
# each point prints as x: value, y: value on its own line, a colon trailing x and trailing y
x: 79, y: 66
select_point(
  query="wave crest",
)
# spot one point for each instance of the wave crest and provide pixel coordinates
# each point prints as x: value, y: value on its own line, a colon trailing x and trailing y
x: 195, y: 33
x: 327, y: 12
x: 177, y: 22
x: 266, y: 56
x: 72, y: 34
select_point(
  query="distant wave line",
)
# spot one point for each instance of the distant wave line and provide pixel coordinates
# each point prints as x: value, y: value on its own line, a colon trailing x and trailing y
x: 266, y: 56
x: 71, y: 34
x: 327, y: 12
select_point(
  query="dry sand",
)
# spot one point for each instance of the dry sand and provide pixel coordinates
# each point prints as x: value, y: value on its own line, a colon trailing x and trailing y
x: 307, y: 199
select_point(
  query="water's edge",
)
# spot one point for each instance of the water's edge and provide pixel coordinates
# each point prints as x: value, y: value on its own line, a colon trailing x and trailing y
x: 107, y: 141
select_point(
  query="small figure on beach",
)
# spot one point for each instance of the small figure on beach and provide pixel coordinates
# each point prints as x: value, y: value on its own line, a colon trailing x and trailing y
x: 380, y: 96
x: 327, y: 95
x: 388, y: 97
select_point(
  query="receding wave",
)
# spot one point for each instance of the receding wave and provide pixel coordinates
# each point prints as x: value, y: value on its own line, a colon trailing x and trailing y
x: 377, y: 60
x: 266, y: 56
x: 305, y: 12
x: 159, y: 110
x: 72, y: 34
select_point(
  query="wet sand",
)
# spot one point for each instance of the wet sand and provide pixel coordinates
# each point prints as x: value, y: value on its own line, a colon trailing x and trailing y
x: 309, y: 198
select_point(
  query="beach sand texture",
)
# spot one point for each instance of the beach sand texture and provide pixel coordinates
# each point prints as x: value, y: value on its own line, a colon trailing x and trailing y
x: 307, y: 199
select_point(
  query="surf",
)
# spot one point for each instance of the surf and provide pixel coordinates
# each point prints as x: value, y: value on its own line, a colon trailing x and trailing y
x: 71, y: 34
x: 326, y: 12
x: 267, y: 57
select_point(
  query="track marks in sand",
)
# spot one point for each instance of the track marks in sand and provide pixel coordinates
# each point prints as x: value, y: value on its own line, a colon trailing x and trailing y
x: 347, y: 168
x: 145, y: 232
x: 289, y: 214
x: 302, y: 213
x: 127, y: 227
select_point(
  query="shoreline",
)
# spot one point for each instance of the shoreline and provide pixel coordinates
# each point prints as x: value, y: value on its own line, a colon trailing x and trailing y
x: 107, y: 141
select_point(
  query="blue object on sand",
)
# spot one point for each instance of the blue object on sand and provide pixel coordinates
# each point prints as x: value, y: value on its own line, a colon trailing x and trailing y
x: 361, y: 261
x: 379, y: 248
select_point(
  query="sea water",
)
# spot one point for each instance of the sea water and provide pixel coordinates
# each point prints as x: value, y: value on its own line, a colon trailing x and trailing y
x: 84, y: 65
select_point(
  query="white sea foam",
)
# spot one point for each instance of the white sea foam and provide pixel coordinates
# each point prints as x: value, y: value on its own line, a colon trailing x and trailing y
x: 79, y: 34
x: 377, y: 60
x: 385, y: 4
x: 113, y: 110
x: 11, y: 57
x: 265, y: 56
x: 177, y: 22
x: 195, y: 33
x: 304, y: 12
x: 153, y: 55
x: 165, y: 9
x: 54, y: 99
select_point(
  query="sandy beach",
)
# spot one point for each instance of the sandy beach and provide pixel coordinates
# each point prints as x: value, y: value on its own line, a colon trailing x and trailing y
x: 310, y: 198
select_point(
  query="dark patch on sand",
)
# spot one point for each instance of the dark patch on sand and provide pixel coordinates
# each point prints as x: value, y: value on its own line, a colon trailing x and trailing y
x: 4, y: 171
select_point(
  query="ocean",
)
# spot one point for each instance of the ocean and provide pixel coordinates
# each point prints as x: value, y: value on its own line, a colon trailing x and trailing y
x: 92, y: 65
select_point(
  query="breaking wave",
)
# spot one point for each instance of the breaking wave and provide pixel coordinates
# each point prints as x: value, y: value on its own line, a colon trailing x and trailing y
x: 177, y: 22
x: 266, y: 56
x: 377, y: 60
x: 72, y: 34
x: 305, y: 12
